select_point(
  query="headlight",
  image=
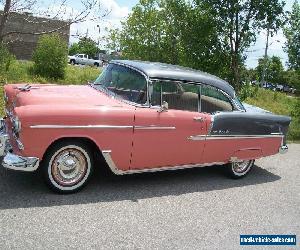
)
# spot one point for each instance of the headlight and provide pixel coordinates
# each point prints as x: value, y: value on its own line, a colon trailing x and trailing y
x: 16, y: 125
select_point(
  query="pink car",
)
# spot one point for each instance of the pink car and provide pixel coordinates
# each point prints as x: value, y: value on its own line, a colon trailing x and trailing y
x: 139, y: 117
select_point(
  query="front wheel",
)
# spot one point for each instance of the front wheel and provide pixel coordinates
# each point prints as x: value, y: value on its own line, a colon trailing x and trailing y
x: 239, y: 169
x: 67, y: 167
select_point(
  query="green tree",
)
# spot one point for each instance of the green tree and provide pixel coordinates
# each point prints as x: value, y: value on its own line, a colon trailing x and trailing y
x: 292, y: 34
x: 170, y: 31
x: 5, y: 59
x: 85, y: 45
x: 239, y: 22
x: 292, y: 78
x: 50, y: 56
x: 274, y: 69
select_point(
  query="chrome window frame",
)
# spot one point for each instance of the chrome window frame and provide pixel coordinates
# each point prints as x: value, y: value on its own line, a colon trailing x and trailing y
x: 151, y: 81
x: 235, y: 107
x: 147, y: 104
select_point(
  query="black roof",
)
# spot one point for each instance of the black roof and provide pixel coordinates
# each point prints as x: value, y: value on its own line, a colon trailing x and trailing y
x: 175, y: 72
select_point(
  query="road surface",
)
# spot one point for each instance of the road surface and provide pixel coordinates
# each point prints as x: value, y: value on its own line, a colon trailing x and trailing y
x: 186, y: 209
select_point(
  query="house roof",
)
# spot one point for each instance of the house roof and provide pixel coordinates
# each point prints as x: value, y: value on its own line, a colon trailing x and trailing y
x: 175, y: 72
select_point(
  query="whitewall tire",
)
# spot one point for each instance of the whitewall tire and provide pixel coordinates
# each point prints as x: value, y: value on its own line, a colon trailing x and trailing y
x: 239, y: 169
x: 68, y: 166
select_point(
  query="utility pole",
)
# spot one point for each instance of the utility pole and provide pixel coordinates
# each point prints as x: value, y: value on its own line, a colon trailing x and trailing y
x: 263, y: 76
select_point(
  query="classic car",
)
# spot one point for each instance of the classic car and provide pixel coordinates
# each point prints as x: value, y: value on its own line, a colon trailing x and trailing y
x: 137, y: 117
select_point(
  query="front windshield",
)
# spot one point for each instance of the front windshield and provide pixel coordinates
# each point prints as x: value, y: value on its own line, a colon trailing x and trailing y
x: 124, y: 82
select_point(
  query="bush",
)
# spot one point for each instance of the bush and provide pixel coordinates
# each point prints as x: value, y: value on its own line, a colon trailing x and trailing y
x: 50, y: 57
x: 6, y: 59
x: 247, y: 91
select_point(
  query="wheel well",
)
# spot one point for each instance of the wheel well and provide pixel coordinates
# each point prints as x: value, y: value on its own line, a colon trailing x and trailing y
x: 87, y: 141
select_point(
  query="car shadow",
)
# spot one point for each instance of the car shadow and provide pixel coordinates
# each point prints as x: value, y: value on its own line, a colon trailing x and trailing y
x: 24, y: 190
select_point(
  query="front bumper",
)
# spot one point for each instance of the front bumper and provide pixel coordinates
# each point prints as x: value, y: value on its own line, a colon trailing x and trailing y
x: 13, y: 161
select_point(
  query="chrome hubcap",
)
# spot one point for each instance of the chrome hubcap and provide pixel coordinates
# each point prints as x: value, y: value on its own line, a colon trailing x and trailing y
x: 69, y: 167
x: 241, y: 167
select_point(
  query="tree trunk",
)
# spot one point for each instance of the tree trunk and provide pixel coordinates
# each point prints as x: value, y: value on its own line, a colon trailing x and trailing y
x: 235, y: 71
x: 4, y: 18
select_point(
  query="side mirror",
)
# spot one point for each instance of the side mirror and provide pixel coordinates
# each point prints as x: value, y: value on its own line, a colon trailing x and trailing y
x: 164, y: 107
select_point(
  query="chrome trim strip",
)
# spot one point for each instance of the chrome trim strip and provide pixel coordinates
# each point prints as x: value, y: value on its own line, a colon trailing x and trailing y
x: 230, y: 137
x: 115, y: 170
x: 149, y: 127
x: 153, y: 127
x: 81, y: 126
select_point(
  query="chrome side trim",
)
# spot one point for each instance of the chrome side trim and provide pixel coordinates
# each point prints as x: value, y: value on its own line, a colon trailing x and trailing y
x: 231, y: 137
x: 115, y: 170
x: 107, y: 156
x: 81, y: 126
x: 149, y: 127
x: 211, y: 124
x: 153, y: 127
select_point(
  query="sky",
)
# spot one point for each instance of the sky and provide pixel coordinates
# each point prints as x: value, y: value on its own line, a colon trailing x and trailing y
x: 118, y: 10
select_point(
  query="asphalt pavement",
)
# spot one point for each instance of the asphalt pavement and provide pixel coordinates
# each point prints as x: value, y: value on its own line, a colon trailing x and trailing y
x: 185, y: 209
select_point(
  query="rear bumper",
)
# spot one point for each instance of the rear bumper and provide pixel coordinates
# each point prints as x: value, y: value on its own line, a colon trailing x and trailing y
x: 283, y: 149
x: 13, y: 161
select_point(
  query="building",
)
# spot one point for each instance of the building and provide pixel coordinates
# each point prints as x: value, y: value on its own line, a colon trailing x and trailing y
x: 26, y: 30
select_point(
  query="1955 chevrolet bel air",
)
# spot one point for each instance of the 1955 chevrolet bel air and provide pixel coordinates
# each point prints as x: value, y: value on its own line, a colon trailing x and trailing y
x: 139, y: 117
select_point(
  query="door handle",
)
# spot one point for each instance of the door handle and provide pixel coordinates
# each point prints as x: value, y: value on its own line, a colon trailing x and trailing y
x: 199, y: 119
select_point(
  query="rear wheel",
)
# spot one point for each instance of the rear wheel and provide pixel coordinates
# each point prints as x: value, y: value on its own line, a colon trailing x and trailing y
x: 239, y: 169
x: 96, y: 64
x: 68, y: 166
x: 72, y: 62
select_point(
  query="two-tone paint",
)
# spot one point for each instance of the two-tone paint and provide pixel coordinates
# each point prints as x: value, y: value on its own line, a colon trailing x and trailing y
x: 137, y: 138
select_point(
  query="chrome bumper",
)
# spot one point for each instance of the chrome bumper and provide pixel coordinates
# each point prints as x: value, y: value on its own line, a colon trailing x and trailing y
x: 283, y: 149
x: 13, y: 161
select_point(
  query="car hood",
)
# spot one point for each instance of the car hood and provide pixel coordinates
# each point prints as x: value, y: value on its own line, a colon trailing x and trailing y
x: 51, y: 94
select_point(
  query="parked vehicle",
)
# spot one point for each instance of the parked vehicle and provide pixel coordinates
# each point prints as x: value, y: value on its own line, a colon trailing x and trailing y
x: 286, y: 88
x: 84, y: 59
x: 138, y: 117
x: 279, y: 87
x: 293, y: 90
x: 270, y: 86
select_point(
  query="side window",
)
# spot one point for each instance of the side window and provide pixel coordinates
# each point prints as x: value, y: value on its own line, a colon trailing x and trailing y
x: 213, y: 100
x: 125, y: 82
x: 178, y: 95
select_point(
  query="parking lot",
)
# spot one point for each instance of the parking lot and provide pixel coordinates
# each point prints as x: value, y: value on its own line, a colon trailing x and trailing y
x: 186, y: 209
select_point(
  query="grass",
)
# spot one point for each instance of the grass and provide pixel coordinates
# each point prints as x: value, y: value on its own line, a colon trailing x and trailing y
x: 276, y: 102
x: 20, y: 71
x: 281, y: 104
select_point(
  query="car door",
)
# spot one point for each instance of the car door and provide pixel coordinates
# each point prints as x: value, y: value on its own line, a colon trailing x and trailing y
x: 79, y: 59
x: 162, y: 138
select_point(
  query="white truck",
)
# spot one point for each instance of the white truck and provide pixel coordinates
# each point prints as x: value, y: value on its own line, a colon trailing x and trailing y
x: 84, y: 59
